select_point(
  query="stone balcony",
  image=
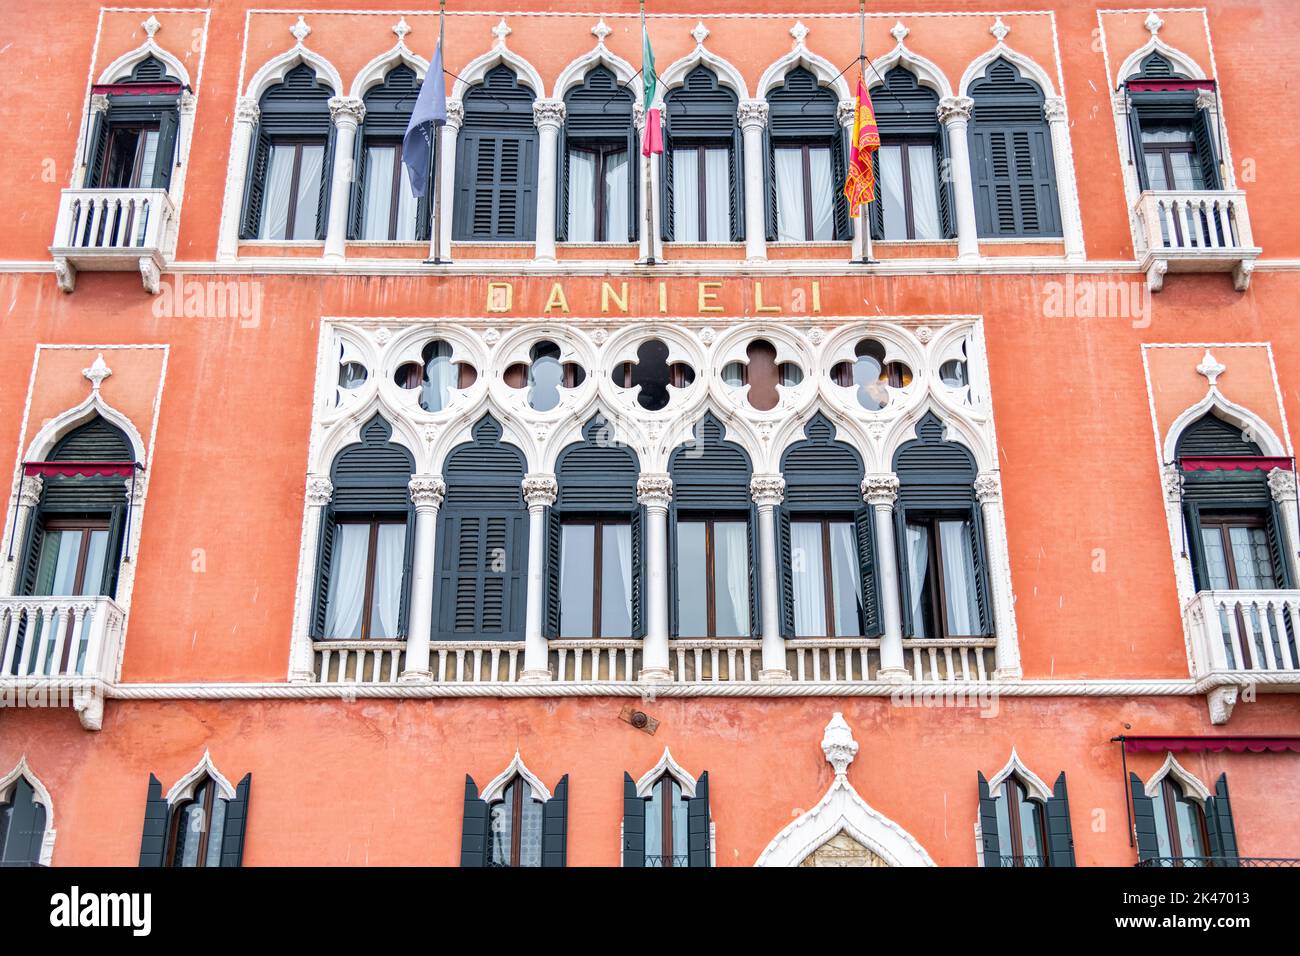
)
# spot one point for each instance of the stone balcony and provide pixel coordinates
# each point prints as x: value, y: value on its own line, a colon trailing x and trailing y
x: 1207, y: 231
x: 115, y: 230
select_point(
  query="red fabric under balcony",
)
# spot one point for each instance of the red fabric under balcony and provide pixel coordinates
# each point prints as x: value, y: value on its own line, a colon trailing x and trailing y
x: 85, y: 469
x: 1168, y: 86
x: 136, y: 89
x: 1235, y: 463
x: 1236, y: 745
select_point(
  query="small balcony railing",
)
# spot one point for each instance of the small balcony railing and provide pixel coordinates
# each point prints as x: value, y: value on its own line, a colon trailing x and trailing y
x: 1202, y: 862
x: 112, y: 230
x: 1206, y: 231
x: 1245, y: 632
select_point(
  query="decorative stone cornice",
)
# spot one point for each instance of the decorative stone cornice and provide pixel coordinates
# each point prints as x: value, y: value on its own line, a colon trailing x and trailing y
x: 427, y: 491
x: 752, y: 114
x: 953, y: 109
x: 767, y: 490
x: 838, y: 744
x: 540, y: 490
x: 319, y: 491
x: 247, y: 110
x: 988, y: 487
x: 29, y: 491
x: 654, y: 489
x: 345, y: 110
x: 548, y: 113
x: 880, y: 489
x: 1054, y: 109
x: 1282, y: 484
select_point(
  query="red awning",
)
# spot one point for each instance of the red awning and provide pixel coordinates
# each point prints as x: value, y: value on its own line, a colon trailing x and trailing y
x: 1168, y: 86
x: 86, y: 469
x: 1235, y: 463
x: 136, y: 89
x: 1236, y: 745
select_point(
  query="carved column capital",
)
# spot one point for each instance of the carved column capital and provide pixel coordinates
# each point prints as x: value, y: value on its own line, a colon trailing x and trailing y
x: 29, y: 492
x: 1207, y: 100
x: 1171, y: 476
x: 845, y: 112
x: 99, y: 103
x: 1282, y: 484
x: 955, y: 109
x: 540, y: 490
x: 455, y: 114
x: 767, y: 490
x: 548, y: 113
x: 247, y: 110
x: 320, y: 490
x: 347, y: 111
x: 880, y: 489
x: 752, y: 114
x: 988, y: 488
x: 427, y: 491
x: 1054, y: 109
x: 654, y: 489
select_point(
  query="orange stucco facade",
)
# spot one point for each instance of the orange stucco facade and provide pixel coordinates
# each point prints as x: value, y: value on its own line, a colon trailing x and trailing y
x: 226, y: 407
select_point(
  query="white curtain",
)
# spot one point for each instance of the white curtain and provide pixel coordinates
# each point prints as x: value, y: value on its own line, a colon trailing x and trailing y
x: 918, y: 565
x: 732, y: 553
x: 717, y: 182
x: 275, y: 194
x: 891, y: 192
x: 577, y: 553
x: 407, y: 204
x: 379, y: 193
x: 616, y: 225
x: 925, y: 195
x: 347, y: 586
x: 442, y: 376
x: 309, y: 173
x: 846, y: 580
x: 582, y: 196
x: 961, y: 609
x: 616, y: 602
x: 823, y: 194
x: 789, y: 195
x: 808, y: 579
x: 686, y: 194
x: 387, y: 600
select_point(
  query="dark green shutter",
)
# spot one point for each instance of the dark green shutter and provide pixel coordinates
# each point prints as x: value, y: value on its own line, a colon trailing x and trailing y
x: 864, y: 528
x: 474, y: 828
x: 97, y: 152
x: 633, y: 824
x: 769, y: 177
x: 562, y: 188
x: 232, y: 839
x: 904, y: 572
x: 165, y: 156
x: 554, y: 537
x: 638, y: 572
x: 1060, y: 836
x: 357, y: 193
x: 839, y: 172
x: 153, y: 841
x: 259, y: 165
x: 876, y: 210
x: 698, y: 838
x: 943, y: 170
x: 1137, y: 152
x: 26, y: 833
x: 326, y: 178
x: 1218, y: 820
x: 408, y: 577
x: 991, y: 847
x: 979, y: 560
x: 1204, y: 135
x: 1278, y: 550
x: 115, y: 549
x: 324, y: 558
x: 1144, y: 821
x: 674, y: 624
x: 666, y: 187
x: 755, y: 578
x: 634, y: 176
x: 785, y: 571
x: 737, y: 185
x: 1195, y: 547
x: 31, y: 559
x: 555, y: 826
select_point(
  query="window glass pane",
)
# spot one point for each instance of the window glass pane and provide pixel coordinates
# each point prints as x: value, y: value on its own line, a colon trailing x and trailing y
x: 846, y: 579
x: 440, y: 377
x: 731, y: 578
x: 808, y: 577
x: 346, y: 596
x: 918, y: 578
x: 407, y: 206
x: 823, y: 193
x: 681, y: 849
x: 961, y: 609
x: 309, y: 173
x: 616, y: 581
x: 616, y: 185
x: 386, y: 599
x: 1029, y: 827
x: 6, y: 811
x: 150, y: 158
x: 275, y: 196
x: 500, y: 827
x: 1000, y: 804
x: 582, y: 195
x: 1187, y: 172
x: 1162, y: 823
x: 925, y: 191
x: 1156, y: 177
x: 92, y: 579
x: 654, y: 825
x: 530, y: 829
x: 890, y: 192
x: 686, y: 195
x: 56, y: 572
x: 692, y: 618
x: 377, y: 206
x: 717, y: 194
x: 790, y: 225
x: 1188, y: 814
x: 1251, y: 558
x: 215, y: 832
x: 545, y: 376
x: 577, y: 551
x: 1216, y: 561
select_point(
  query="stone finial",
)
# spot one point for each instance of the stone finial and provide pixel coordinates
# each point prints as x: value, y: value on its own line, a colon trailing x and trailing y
x: 1211, y: 368
x: 999, y: 30
x: 501, y: 31
x: 700, y: 33
x: 899, y: 32
x: 600, y: 31
x: 1153, y: 23
x: 97, y: 372
x: 151, y: 26
x: 402, y: 29
x: 300, y: 31
x: 838, y: 744
x: 800, y: 33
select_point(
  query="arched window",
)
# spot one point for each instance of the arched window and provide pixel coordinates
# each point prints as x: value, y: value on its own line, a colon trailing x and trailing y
x: 515, y: 822
x: 366, y: 541
x: 805, y: 163
x: 940, y: 538
x: 1011, y: 156
x: 1178, y: 822
x: 711, y: 538
x: 1171, y: 140
x: 915, y: 199
x: 595, y: 581
x: 197, y: 826
x: 826, y: 558
x: 666, y: 820
x: 496, y: 162
x: 133, y: 142
x: 599, y: 173
x: 701, y: 181
x: 290, y: 162
x: 436, y: 375
x: 201, y: 823
x: 23, y: 819
x: 1021, y: 823
x: 482, y: 541
x: 384, y: 206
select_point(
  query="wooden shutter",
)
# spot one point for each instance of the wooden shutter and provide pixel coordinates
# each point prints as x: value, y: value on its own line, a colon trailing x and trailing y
x: 357, y: 194
x: 839, y: 173
x: 674, y: 621
x: 98, y: 150
x: 943, y: 170
x: 1195, y: 547
x: 769, y: 178
x: 1136, y: 152
x: 634, y: 173
x: 737, y: 185
x: 153, y: 841
x: 324, y: 558
x: 26, y: 833
x: 904, y: 571
x: 483, y: 575
x: 1278, y: 550
x: 876, y: 210
x: 165, y: 156
x: 408, y: 577
x: 1218, y: 821
x: 497, y: 186
x: 633, y: 824
x: 990, y: 848
x: 698, y: 838
x: 554, y: 537
x: 864, y: 529
x: 1144, y: 821
x: 474, y: 828
x: 555, y: 826
x: 113, y: 552
x: 232, y: 839
x: 755, y: 578
x: 259, y: 164
x: 1060, y: 837
x: 784, y: 570
x: 638, y: 572
x: 562, y: 188
x: 1204, y: 135
x: 979, y: 559
x: 31, y: 558
x: 326, y: 178
x: 666, y: 186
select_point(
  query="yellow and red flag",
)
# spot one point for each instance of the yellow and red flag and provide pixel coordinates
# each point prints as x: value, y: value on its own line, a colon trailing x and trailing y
x: 860, y: 185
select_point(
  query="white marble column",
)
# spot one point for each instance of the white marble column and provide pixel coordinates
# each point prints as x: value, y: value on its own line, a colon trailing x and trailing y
x: 447, y: 179
x: 988, y: 491
x: 549, y: 117
x: 655, y: 492
x: 752, y: 115
x: 881, y: 492
x: 1067, y: 190
x: 427, y: 494
x: 955, y: 113
x: 861, y: 249
x: 1282, y: 484
x: 302, y: 666
x: 539, y: 494
x: 247, y: 113
x: 347, y: 114
x: 768, y: 492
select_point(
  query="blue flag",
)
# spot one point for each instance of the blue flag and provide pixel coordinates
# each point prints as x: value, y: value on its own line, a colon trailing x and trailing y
x: 430, y: 112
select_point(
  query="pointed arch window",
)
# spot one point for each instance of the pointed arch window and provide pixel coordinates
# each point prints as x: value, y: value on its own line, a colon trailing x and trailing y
x: 515, y: 822
x: 915, y: 198
x: 133, y: 143
x: 702, y: 187
x: 366, y: 541
x: 202, y: 825
x: 666, y: 820
x: 291, y: 157
x: 804, y: 154
x: 23, y: 822
x: 1011, y: 156
x: 496, y: 162
x: 1021, y: 823
x: 1171, y: 140
x: 1180, y: 823
x: 599, y: 174
x: 384, y: 207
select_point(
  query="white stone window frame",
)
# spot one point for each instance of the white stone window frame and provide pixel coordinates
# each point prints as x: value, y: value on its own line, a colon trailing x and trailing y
x: 22, y: 770
x: 645, y: 786
x: 1033, y: 784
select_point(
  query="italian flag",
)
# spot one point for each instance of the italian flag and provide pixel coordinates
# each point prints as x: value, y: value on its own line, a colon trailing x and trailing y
x: 653, y: 142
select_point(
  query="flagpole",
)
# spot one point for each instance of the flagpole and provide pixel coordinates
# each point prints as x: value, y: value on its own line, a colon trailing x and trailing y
x: 649, y: 158
x: 437, y: 153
